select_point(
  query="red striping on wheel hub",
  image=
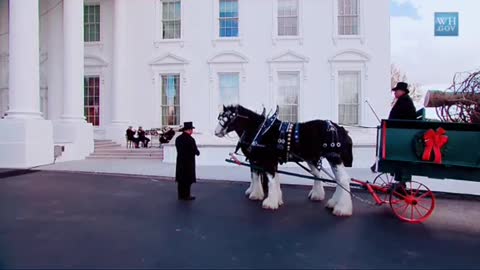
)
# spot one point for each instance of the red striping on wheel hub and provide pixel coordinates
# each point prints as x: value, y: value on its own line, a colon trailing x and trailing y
x: 413, y: 203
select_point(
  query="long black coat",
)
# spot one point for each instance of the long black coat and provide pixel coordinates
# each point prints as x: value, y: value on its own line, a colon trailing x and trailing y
x: 403, y: 109
x: 186, y: 151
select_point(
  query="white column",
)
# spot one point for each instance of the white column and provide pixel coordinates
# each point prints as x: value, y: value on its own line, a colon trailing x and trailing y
x: 71, y: 130
x: 73, y: 60
x: 55, y: 62
x: 120, y: 98
x: 26, y: 139
x: 24, y: 69
x: 120, y: 94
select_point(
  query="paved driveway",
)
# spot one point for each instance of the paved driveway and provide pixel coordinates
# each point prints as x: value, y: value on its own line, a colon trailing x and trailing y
x: 58, y: 219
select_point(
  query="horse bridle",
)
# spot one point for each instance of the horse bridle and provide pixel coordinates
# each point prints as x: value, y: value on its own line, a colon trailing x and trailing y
x: 230, y: 118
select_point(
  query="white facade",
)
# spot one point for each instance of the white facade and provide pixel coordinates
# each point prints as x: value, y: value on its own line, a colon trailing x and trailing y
x: 131, y: 56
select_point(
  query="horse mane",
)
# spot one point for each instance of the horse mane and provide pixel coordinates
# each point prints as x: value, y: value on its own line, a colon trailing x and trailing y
x: 245, y: 112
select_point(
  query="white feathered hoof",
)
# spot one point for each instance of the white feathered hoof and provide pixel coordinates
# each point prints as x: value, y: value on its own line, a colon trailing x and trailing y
x: 343, y: 208
x: 256, y: 195
x: 248, y: 191
x: 270, y: 203
x: 316, y: 195
x: 331, y: 203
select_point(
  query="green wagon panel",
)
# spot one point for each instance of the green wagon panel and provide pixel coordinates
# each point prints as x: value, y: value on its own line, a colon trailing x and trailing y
x: 399, y: 152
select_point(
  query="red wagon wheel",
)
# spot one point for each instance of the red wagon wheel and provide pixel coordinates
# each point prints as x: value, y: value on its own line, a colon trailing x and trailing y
x: 413, y: 202
x: 384, y: 180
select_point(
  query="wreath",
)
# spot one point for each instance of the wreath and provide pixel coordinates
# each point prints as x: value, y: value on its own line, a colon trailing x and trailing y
x: 431, y: 145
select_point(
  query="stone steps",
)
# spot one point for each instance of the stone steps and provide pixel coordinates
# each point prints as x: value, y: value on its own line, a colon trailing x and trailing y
x: 107, y: 149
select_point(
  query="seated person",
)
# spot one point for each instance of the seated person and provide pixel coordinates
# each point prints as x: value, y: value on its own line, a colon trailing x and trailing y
x: 142, y: 138
x: 167, y: 135
x: 131, y: 136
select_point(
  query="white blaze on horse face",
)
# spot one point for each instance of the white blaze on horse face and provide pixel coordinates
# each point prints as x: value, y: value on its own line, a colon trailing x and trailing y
x: 219, y: 131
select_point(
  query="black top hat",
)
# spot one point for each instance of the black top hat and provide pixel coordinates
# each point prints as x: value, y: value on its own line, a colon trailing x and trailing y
x: 187, y: 126
x: 401, y: 86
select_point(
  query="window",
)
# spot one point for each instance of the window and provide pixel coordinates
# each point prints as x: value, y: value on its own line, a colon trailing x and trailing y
x: 171, y: 99
x: 228, y: 22
x: 348, y: 91
x: 288, y: 88
x: 91, y: 21
x: 229, y: 88
x: 287, y: 17
x: 348, y: 17
x: 171, y: 19
x: 91, y: 98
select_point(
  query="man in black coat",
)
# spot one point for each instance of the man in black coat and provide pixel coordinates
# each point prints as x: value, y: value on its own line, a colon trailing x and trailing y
x: 185, y: 169
x: 403, y: 108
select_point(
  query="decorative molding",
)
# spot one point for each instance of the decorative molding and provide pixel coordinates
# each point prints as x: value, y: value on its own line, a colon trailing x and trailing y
x: 94, y: 61
x: 349, y: 56
x: 228, y: 57
x: 169, y: 63
x: 288, y: 57
x: 168, y: 59
x: 291, y: 59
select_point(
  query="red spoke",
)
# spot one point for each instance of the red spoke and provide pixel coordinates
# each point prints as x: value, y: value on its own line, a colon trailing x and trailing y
x: 400, y: 195
x: 398, y: 206
x: 405, y: 209
x: 424, y: 194
x: 418, y: 211
x: 411, y: 213
x: 418, y: 190
x: 423, y: 207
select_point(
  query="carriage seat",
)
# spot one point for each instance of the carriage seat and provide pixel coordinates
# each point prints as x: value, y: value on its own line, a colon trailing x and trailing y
x: 420, y: 114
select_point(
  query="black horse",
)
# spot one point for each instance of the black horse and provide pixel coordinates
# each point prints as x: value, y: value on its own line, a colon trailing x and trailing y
x: 267, y: 141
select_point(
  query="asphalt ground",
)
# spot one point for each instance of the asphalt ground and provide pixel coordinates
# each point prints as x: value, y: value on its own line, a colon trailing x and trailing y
x: 80, y: 220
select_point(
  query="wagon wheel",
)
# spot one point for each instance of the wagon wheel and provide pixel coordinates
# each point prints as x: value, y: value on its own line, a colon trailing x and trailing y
x: 413, y: 202
x: 384, y: 180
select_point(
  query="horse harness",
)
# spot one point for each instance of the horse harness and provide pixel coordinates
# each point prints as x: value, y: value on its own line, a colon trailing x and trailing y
x: 287, y: 130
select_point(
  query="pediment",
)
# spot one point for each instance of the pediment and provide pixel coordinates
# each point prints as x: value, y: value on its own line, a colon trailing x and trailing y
x: 350, y: 56
x: 168, y: 59
x: 228, y: 57
x: 94, y: 61
x: 289, y: 56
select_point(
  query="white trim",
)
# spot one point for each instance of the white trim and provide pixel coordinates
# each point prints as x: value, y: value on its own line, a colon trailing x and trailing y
x: 275, y: 37
x: 96, y: 72
x: 167, y: 64
x: 94, y: 61
x: 361, y: 31
x: 216, y: 26
x: 224, y: 62
x: 288, y: 61
x: 158, y: 26
x: 349, y: 56
x: 100, y: 43
x: 350, y: 60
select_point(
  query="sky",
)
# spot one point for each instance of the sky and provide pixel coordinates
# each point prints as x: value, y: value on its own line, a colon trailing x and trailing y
x: 429, y: 60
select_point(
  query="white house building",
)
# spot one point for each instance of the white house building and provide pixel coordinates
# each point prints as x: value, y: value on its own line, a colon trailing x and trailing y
x: 72, y: 71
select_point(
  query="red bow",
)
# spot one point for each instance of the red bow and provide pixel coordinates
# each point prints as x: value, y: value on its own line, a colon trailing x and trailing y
x: 434, y: 141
